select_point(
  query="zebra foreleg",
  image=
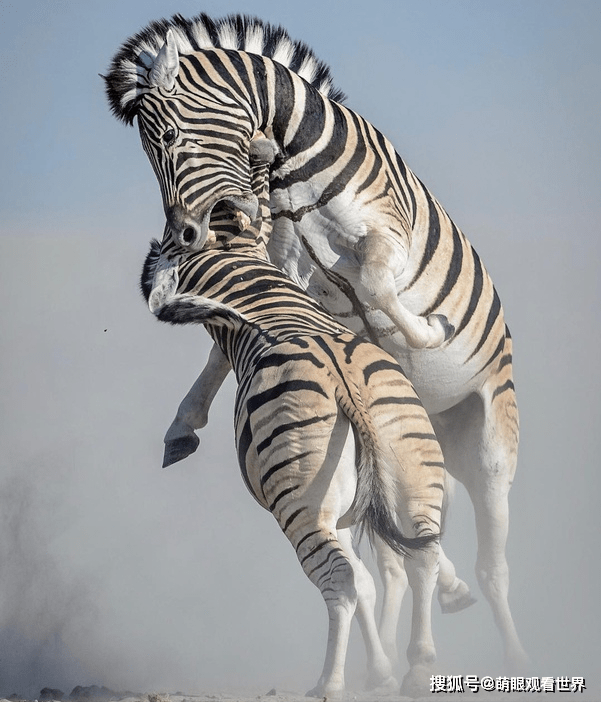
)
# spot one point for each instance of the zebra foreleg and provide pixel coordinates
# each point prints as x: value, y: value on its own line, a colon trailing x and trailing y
x: 193, y: 412
x: 381, y: 260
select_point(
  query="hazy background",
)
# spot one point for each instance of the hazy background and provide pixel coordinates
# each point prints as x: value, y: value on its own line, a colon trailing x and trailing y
x: 115, y: 572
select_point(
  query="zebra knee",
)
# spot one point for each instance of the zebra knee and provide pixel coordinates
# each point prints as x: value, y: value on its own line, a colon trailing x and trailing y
x: 262, y: 148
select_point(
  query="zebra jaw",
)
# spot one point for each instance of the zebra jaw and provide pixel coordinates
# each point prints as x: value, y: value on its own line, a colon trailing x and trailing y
x: 192, y: 233
x: 242, y: 220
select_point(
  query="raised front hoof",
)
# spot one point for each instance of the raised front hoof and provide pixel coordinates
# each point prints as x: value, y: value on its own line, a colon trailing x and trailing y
x: 455, y: 601
x: 180, y: 448
x: 447, y: 330
x: 417, y: 682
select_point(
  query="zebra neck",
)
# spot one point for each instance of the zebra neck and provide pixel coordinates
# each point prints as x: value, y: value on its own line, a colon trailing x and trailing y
x: 300, y: 114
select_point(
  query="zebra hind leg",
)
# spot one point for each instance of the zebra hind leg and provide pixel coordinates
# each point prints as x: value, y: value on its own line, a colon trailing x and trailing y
x: 453, y: 593
x: 422, y: 573
x: 394, y: 579
x: 379, y: 665
x: 327, y: 565
x: 479, y: 439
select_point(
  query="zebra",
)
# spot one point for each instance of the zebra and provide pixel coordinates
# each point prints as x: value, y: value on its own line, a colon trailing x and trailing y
x: 345, y: 206
x: 329, y: 431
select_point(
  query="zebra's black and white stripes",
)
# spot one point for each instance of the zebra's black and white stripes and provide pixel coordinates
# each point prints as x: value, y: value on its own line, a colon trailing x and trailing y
x: 329, y: 432
x: 338, y: 184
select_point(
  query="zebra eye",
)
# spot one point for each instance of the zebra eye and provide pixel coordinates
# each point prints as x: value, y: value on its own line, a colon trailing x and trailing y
x: 169, y: 137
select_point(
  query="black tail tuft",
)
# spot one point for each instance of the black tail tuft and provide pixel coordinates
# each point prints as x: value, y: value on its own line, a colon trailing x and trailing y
x: 372, y: 506
x: 378, y: 520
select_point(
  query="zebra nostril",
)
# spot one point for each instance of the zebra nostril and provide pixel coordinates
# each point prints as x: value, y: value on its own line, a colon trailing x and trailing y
x: 188, y: 235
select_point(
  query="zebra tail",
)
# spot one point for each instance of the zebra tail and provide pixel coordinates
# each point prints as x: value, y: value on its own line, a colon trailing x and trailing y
x: 375, y: 490
x: 187, y: 309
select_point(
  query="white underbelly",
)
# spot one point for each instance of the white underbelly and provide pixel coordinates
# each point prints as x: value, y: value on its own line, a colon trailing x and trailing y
x: 436, y: 377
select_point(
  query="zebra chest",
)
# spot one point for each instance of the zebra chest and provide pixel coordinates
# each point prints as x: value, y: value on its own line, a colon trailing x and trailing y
x: 334, y: 228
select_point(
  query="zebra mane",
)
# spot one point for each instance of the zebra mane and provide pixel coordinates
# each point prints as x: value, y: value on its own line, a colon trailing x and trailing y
x: 127, y: 75
x: 149, y: 268
x: 186, y: 309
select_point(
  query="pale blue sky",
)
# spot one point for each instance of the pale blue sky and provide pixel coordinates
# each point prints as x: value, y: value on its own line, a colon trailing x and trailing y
x: 118, y: 573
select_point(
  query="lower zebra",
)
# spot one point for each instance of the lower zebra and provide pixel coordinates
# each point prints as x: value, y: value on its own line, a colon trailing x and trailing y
x: 329, y: 433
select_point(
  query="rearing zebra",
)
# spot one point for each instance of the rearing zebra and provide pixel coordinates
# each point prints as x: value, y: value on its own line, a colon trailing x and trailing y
x: 329, y: 431
x: 200, y: 89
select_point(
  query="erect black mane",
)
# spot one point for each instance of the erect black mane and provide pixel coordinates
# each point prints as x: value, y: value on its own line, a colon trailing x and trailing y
x: 127, y: 76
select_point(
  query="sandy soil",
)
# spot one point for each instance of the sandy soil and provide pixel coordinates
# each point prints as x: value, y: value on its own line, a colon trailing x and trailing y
x: 286, y: 696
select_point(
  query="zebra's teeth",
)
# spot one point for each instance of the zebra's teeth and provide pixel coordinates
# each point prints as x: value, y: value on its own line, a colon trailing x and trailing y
x: 242, y: 220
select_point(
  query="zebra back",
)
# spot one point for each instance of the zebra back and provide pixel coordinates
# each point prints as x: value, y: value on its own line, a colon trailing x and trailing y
x: 279, y: 340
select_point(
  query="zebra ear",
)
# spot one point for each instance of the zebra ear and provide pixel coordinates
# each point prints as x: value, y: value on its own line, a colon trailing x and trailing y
x: 165, y: 68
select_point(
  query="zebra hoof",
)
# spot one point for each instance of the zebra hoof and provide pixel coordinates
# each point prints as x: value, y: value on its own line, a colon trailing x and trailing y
x: 382, y: 687
x: 447, y: 327
x: 416, y: 682
x: 456, y: 604
x: 180, y: 448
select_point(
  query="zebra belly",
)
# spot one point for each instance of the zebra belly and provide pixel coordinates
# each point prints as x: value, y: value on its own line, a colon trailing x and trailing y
x: 437, y: 378
x: 443, y: 376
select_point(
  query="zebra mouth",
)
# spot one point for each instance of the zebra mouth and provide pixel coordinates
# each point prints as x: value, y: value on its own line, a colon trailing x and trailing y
x: 243, y: 208
x: 239, y: 208
x: 191, y: 229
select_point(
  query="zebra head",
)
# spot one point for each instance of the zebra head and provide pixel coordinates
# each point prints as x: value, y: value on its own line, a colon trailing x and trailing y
x: 200, y: 89
x: 197, y: 138
x: 160, y: 275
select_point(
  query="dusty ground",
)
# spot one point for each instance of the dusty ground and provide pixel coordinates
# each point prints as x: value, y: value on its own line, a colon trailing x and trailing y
x: 285, y: 696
